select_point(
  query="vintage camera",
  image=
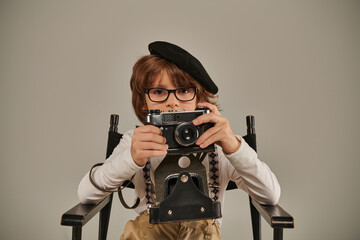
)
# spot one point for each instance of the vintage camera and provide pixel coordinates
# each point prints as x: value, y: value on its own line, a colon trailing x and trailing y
x: 179, y: 131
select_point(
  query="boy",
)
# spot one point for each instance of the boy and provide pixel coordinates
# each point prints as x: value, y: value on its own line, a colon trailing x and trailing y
x: 171, y: 79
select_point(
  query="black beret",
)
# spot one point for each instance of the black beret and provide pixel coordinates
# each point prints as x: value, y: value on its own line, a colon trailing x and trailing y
x: 184, y: 61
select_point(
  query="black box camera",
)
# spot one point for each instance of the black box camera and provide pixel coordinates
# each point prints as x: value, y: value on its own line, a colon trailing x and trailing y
x: 179, y: 131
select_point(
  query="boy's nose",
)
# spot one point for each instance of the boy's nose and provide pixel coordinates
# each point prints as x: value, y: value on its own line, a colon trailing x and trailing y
x: 172, y: 101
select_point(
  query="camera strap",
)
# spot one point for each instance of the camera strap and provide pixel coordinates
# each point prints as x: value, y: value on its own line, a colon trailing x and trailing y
x: 146, y: 172
x: 118, y: 190
x: 214, y: 174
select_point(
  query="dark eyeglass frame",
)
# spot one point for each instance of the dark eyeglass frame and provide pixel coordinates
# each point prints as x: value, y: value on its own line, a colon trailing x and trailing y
x: 147, y: 91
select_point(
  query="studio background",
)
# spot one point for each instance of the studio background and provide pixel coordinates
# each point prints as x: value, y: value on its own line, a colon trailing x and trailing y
x: 65, y: 67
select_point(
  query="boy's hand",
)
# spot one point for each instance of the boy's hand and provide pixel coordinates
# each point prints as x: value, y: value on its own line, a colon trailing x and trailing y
x: 220, y: 134
x: 147, y: 142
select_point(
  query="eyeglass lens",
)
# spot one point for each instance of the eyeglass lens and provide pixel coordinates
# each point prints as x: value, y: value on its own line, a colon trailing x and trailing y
x: 161, y: 94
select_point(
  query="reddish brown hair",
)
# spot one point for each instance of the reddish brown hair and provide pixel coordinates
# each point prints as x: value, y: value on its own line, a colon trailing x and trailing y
x: 147, y: 68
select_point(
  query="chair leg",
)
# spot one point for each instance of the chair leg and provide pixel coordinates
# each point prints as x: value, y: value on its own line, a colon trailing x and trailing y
x: 104, y: 219
x: 278, y: 233
x: 256, y: 221
x: 76, y: 233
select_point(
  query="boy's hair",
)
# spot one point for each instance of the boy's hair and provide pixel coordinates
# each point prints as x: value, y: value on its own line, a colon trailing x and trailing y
x: 147, y: 68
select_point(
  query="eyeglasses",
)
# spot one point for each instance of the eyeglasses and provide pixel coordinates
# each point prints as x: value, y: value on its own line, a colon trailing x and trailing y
x: 183, y: 94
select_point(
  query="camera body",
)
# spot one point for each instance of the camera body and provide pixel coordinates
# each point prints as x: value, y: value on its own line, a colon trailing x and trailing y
x: 179, y: 131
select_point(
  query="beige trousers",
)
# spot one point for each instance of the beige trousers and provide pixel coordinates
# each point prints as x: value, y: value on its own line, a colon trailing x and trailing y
x: 141, y: 229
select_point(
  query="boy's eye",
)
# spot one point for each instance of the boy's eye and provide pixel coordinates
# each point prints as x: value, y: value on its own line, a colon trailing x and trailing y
x: 158, y: 91
x: 184, y: 90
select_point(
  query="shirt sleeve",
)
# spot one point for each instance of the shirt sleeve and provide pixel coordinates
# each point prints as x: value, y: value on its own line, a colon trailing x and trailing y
x: 253, y: 175
x: 118, y: 168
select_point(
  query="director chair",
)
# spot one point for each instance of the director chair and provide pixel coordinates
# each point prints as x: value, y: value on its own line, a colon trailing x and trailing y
x: 79, y: 215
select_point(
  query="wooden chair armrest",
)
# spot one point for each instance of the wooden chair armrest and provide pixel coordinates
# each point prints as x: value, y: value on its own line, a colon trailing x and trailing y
x: 275, y: 215
x: 82, y: 213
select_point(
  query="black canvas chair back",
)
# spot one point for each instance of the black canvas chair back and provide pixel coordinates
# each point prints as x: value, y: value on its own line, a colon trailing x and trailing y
x: 79, y: 215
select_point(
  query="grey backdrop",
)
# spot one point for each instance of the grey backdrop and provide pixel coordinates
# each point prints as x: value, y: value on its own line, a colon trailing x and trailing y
x: 65, y: 67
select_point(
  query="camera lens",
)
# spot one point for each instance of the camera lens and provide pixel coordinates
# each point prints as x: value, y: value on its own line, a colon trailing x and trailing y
x: 186, y: 134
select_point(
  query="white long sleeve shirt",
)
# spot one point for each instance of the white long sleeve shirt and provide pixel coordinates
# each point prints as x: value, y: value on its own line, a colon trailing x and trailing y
x: 243, y: 167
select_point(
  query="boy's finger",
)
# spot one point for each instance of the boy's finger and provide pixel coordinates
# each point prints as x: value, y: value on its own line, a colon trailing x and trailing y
x: 210, y: 132
x: 211, y: 117
x: 210, y: 106
x: 212, y: 139
x: 151, y: 146
x: 149, y: 129
x: 153, y: 153
x: 151, y: 137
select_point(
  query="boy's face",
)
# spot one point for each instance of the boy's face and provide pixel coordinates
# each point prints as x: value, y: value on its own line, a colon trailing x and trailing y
x: 172, y: 103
